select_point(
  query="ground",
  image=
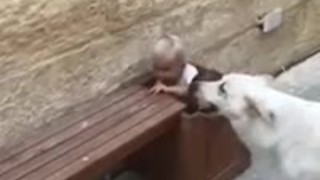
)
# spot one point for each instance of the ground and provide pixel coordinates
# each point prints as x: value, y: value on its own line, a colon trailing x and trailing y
x: 303, y: 80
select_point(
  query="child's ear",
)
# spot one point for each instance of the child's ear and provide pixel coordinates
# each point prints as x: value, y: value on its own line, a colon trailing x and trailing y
x: 257, y: 110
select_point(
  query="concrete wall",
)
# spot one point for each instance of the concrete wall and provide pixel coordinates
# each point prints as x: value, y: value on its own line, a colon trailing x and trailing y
x: 56, y: 54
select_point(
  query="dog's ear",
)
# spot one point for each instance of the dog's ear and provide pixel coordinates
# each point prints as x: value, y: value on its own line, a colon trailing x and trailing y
x: 255, y: 109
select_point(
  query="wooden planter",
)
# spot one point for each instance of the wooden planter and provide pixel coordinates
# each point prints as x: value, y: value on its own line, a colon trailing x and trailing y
x: 128, y: 129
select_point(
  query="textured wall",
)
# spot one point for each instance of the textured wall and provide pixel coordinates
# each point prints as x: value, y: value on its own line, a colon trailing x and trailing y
x: 55, y: 54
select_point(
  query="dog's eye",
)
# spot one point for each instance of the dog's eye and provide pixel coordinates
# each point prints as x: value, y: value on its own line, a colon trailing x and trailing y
x: 222, y: 89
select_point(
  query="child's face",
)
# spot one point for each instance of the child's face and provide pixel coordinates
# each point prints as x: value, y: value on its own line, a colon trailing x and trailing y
x: 168, y: 72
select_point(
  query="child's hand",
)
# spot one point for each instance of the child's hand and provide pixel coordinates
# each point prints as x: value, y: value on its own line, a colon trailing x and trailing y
x: 175, y: 90
x: 158, y: 88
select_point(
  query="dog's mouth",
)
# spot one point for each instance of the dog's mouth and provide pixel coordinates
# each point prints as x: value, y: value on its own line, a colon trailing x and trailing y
x: 193, y: 107
x: 196, y: 104
x: 210, y: 108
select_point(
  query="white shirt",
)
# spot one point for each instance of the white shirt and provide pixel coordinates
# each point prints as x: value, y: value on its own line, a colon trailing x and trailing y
x: 189, y: 72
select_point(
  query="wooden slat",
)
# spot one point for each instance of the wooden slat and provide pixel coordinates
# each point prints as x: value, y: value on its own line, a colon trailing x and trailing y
x: 192, y: 151
x: 68, y: 133
x: 103, y: 139
x: 142, y: 134
x: 110, y: 151
x: 78, y: 114
x: 75, y: 136
x: 225, y: 153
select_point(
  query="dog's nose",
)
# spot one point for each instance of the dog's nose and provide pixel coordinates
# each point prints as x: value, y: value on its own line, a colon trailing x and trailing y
x: 209, y: 109
x: 191, y: 98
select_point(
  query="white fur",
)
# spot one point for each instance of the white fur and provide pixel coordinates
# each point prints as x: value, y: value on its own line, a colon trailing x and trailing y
x: 267, y: 119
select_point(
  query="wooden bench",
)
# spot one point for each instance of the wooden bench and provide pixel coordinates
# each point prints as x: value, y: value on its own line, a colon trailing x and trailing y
x: 93, y: 138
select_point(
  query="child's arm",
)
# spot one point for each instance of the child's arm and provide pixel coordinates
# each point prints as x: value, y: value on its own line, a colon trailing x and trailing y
x: 178, y: 90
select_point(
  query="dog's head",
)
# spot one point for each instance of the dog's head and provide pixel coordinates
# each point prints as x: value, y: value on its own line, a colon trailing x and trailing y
x: 231, y: 96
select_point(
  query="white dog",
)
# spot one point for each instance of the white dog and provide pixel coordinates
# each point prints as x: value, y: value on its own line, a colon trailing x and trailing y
x: 267, y: 119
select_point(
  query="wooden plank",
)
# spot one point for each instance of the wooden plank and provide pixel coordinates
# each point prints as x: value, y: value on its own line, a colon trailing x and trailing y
x: 74, y: 116
x: 119, y: 147
x: 149, y: 133
x: 159, y: 159
x: 220, y: 149
x: 192, y: 148
x: 68, y: 133
x: 76, y: 135
x: 99, y: 140
x: 225, y: 157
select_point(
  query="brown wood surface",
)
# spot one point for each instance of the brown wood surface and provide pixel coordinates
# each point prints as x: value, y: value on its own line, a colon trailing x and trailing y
x: 73, y: 115
x: 209, y: 149
x: 72, y: 138
x: 138, y: 136
x: 203, y: 148
x: 97, y: 136
x: 192, y: 152
x: 127, y: 120
x: 226, y: 155
x: 56, y: 144
x: 158, y: 160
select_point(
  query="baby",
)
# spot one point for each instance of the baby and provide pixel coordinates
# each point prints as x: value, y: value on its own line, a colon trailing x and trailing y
x: 174, y: 75
x: 172, y: 72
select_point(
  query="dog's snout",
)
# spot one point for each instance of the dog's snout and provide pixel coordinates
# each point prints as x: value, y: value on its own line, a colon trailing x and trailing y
x: 191, y: 98
x: 194, y: 87
x: 209, y: 108
x: 196, y: 103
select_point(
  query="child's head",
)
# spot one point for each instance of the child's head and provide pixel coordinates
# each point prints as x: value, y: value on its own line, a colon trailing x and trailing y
x: 168, y: 59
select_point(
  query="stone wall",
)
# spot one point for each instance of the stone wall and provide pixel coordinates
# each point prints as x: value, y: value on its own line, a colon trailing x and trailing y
x: 56, y: 54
